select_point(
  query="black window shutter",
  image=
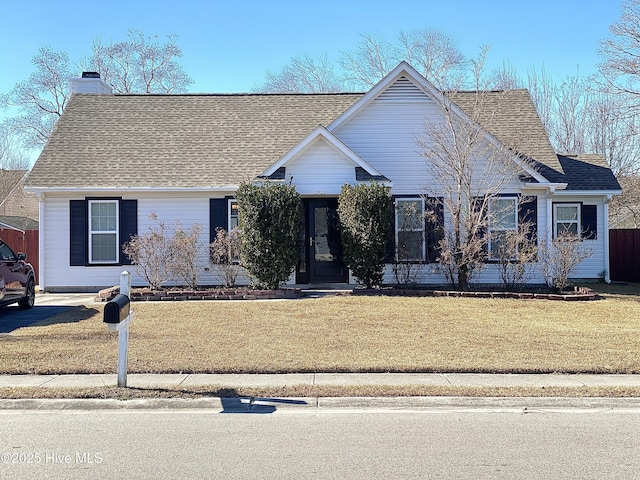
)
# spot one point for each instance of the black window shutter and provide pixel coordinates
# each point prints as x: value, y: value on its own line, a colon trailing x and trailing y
x: 390, y: 247
x: 433, y: 228
x: 590, y: 222
x: 480, y: 216
x: 78, y: 241
x: 218, y: 217
x: 128, y: 225
x: 528, y: 215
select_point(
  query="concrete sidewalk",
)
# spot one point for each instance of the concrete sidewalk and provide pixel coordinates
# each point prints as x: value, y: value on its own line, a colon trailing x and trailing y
x: 322, y: 379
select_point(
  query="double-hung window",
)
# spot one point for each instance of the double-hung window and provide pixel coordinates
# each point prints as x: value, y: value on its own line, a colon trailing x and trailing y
x: 103, y: 231
x: 503, y: 220
x: 410, y: 229
x: 566, y: 220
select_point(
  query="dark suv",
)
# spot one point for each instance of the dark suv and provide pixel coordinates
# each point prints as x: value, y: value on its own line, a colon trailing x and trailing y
x: 17, y: 279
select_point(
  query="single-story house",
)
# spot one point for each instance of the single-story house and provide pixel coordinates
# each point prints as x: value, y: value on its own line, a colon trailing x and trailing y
x: 114, y: 160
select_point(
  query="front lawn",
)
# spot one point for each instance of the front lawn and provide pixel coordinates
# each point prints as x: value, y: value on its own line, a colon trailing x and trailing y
x: 343, y: 334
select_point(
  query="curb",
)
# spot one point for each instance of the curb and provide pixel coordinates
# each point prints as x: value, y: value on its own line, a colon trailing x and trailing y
x: 521, y: 405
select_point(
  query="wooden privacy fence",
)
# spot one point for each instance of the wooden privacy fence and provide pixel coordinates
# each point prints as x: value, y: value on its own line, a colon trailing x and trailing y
x: 26, y: 242
x: 624, y: 255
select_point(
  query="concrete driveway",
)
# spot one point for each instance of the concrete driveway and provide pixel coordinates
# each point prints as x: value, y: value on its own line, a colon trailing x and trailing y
x: 47, y: 305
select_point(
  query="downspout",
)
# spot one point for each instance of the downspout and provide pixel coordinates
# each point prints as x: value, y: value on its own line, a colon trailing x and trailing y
x: 549, y: 230
x: 607, y: 273
x: 41, y: 231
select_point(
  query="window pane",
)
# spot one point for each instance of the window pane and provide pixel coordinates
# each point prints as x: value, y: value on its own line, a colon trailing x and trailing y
x: 568, y: 228
x: 499, y: 245
x: 503, y: 213
x: 410, y: 246
x: 103, y: 216
x: 565, y: 213
x: 410, y: 214
x: 103, y: 247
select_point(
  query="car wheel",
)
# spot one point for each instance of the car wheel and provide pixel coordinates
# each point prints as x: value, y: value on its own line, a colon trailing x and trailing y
x: 30, y: 298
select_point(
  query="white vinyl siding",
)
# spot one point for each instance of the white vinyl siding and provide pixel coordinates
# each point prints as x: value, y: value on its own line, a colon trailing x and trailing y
x: 385, y: 134
x: 321, y: 170
x: 169, y: 208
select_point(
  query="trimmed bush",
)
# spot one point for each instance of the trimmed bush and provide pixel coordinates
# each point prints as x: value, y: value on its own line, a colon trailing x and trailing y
x: 365, y: 213
x: 270, y: 216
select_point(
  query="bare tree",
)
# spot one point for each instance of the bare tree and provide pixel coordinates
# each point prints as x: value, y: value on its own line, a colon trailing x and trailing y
x: 624, y: 210
x: 613, y: 131
x: 468, y: 168
x: 372, y: 59
x: 140, y: 64
x: 40, y: 99
x: 620, y: 52
x: 505, y: 77
x: 11, y: 156
x: 515, y: 250
x: 303, y: 74
x: 436, y: 56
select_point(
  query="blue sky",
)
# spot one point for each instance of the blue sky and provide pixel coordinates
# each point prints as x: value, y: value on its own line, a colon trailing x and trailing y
x: 228, y: 46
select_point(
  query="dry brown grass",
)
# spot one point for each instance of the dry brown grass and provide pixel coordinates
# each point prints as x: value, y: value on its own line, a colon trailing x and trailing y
x: 343, y: 334
x: 315, y: 391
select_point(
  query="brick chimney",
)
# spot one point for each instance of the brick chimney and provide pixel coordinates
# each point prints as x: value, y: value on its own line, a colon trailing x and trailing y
x: 89, y: 83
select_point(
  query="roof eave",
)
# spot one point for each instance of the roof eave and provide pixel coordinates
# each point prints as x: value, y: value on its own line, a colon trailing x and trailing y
x: 119, y: 189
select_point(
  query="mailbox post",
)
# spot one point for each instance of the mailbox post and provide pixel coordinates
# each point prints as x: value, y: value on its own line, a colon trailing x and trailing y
x: 117, y: 316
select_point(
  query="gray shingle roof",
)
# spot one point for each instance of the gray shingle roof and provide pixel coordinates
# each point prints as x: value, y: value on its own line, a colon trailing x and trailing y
x: 177, y: 140
x: 588, y: 172
x: 220, y: 140
x: 514, y: 121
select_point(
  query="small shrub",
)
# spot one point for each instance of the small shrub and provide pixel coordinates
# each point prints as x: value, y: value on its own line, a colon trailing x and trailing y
x: 558, y: 259
x: 224, y: 255
x: 151, y: 253
x: 185, y: 252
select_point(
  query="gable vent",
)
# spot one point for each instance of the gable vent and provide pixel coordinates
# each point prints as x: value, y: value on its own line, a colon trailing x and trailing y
x: 402, y: 91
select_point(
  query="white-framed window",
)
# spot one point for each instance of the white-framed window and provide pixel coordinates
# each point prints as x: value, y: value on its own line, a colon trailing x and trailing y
x: 566, y: 219
x: 503, y: 219
x: 234, y: 219
x: 103, y: 231
x: 410, y: 245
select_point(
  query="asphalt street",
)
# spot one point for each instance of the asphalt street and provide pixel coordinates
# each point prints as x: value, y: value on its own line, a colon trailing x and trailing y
x: 451, y: 443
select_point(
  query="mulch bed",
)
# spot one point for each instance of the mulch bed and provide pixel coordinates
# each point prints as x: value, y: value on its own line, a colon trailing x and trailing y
x: 170, y: 295
x: 245, y: 293
x: 577, y: 294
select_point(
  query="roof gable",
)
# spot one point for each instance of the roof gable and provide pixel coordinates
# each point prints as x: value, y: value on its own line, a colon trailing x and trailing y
x: 319, y: 134
x: 404, y: 84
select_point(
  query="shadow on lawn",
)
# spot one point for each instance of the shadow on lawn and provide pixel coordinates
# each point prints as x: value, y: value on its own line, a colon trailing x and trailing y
x: 12, y: 317
x: 68, y: 315
x: 618, y: 288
